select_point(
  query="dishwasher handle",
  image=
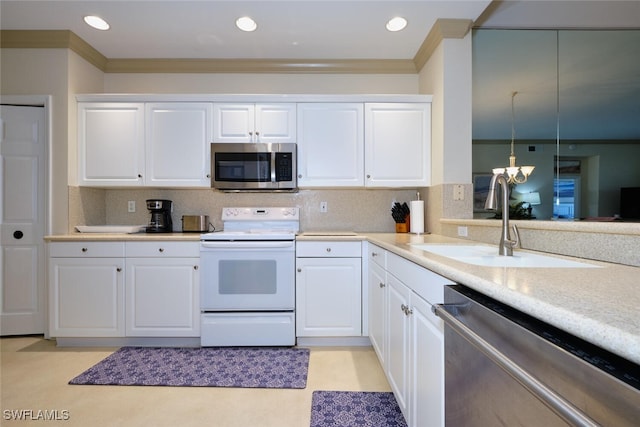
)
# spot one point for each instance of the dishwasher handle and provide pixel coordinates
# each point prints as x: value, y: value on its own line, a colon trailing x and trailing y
x: 551, y: 399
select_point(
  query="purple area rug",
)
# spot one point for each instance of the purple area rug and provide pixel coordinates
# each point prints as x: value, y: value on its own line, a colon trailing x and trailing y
x: 355, y: 408
x: 245, y: 367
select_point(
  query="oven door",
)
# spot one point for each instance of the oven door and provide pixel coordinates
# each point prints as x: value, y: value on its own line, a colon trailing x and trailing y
x: 247, y: 276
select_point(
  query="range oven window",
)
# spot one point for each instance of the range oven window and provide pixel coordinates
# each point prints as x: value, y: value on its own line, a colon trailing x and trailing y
x: 247, y: 277
x: 243, y: 167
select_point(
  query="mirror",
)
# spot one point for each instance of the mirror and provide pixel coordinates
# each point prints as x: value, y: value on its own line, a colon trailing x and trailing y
x: 576, y: 119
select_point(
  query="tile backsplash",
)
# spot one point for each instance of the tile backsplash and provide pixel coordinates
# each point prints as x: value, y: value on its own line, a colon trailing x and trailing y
x: 357, y: 210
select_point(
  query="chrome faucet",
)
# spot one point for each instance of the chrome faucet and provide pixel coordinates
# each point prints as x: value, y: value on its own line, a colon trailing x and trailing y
x: 506, y: 244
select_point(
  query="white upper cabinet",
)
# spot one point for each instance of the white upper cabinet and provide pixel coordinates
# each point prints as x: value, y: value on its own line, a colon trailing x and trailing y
x: 178, y: 144
x: 330, y: 144
x: 274, y: 123
x: 111, y: 144
x: 397, y: 144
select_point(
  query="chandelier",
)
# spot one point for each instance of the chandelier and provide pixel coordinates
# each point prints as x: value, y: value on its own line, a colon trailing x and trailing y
x: 515, y: 174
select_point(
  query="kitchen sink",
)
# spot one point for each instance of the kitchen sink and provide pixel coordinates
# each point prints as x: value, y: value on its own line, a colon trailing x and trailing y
x: 488, y: 256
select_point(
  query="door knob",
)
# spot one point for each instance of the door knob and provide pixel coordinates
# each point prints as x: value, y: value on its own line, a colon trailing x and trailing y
x: 18, y: 234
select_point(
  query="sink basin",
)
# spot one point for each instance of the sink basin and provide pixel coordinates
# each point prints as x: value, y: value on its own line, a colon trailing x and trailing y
x: 488, y: 256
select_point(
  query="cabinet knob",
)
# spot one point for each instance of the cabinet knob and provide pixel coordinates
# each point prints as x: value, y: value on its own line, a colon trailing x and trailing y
x: 118, y: 269
x: 374, y: 254
x: 18, y: 234
x: 161, y: 250
x: 299, y: 270
x: 84, y: 249
x: 300, y: 176
x: 139, y: 175
x: 208, y: 175
x: 368, y: 176
x: 382, y: 285
x: 328, y: 249
x: 195, y: 267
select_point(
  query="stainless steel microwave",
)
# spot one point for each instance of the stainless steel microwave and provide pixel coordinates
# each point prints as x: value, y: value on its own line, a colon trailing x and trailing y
x: 254, y: 167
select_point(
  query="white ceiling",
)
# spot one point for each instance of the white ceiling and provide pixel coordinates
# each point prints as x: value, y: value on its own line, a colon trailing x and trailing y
x: 287, y: 29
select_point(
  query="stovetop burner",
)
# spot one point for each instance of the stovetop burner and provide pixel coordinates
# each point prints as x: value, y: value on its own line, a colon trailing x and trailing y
x: 257, y: 224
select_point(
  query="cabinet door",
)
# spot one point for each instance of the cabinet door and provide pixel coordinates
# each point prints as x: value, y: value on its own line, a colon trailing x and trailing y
x: 427, y: 366
x: 398, y: 144
x: 330, y: 144
x: 275, y: 123
x: 233, y: 122
x: 178, y: 137
x: 110, y: 144
x: 162, y: 297
x: 397, y: 365
x: 378, y: 312
x: 328, y: 297
x: 86, y: 297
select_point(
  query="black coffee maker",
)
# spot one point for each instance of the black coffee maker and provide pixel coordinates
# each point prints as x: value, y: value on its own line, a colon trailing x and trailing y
x: 160, y: 216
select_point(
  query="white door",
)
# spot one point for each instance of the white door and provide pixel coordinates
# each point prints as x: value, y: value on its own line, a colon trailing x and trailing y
x: 22, y: 153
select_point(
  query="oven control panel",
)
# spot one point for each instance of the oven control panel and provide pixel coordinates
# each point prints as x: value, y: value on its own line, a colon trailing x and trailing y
x: 253, y: 214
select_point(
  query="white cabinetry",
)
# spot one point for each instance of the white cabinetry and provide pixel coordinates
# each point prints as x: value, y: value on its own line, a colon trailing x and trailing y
x: 178, y: 136
x: 397, y: 144
x: 124, y: 289
x: 330, y: 144
x: 111, y: 144
x: 328, y: 289
x: 153, y: 144
x: 378, y: 295
x: 414, y: 357
x: 86, y: 289
x: 254, y: 122
x: 162, y: 289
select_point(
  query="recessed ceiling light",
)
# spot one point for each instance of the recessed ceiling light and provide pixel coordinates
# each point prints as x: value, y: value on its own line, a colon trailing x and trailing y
x: 246, y: 24
x: 96, y: 22
x: 396, y: 24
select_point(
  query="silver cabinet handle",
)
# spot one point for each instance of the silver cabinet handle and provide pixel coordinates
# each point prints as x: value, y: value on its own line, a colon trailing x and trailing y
x: 382, y: 285
x: 374, y: 254
x: 551, y: 399
x: 161, y: 250
x: 84, y: 249
x: 299, y: 270
x: 328, y: 249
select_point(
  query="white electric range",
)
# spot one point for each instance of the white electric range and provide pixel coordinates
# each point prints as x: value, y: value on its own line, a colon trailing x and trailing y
x: 247, y: 278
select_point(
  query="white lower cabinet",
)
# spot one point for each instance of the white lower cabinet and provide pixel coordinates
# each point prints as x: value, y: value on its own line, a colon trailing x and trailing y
x: 413, y: 359
x: 328, y: 289
x: 118, y: 289
x: 86, y: 289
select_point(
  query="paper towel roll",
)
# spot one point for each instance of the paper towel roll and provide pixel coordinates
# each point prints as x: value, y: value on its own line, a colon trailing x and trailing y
x: 417, y: 216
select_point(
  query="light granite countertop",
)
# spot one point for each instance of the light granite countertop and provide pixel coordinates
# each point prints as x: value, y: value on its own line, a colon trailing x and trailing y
x: 599, y: 305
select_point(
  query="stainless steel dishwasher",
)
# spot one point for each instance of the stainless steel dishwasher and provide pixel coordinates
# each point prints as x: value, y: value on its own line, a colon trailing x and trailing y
x: 505, y: 368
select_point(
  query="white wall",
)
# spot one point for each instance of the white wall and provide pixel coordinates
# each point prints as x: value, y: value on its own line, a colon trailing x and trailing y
x: 263, y: 83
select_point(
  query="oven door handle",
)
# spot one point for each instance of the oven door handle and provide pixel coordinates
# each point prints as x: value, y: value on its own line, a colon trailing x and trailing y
x: 252, y: 244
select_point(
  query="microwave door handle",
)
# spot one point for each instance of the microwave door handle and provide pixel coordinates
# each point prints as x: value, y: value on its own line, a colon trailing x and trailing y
x: 273, y: 167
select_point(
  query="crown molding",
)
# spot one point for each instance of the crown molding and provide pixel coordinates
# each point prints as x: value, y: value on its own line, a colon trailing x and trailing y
x: 66, y: 39
x: 280, y: 66
x: 52, y: 39
x: 442, y: 29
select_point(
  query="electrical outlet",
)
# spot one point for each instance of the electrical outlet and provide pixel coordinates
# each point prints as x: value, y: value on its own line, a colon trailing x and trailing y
x: 131, y: 206
x: 462, y: 231
x: 323, y: 207
x: 458, y: 192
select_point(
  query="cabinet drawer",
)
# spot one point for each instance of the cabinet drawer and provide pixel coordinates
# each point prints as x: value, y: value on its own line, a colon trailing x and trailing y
x: 329, y: 249
x: 86, y: 249
x: 423, y: 282
x: 163, y: 249
x: 377, y: 255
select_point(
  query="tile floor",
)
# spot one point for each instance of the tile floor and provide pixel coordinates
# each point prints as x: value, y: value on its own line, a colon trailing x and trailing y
x: 34, y: 376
